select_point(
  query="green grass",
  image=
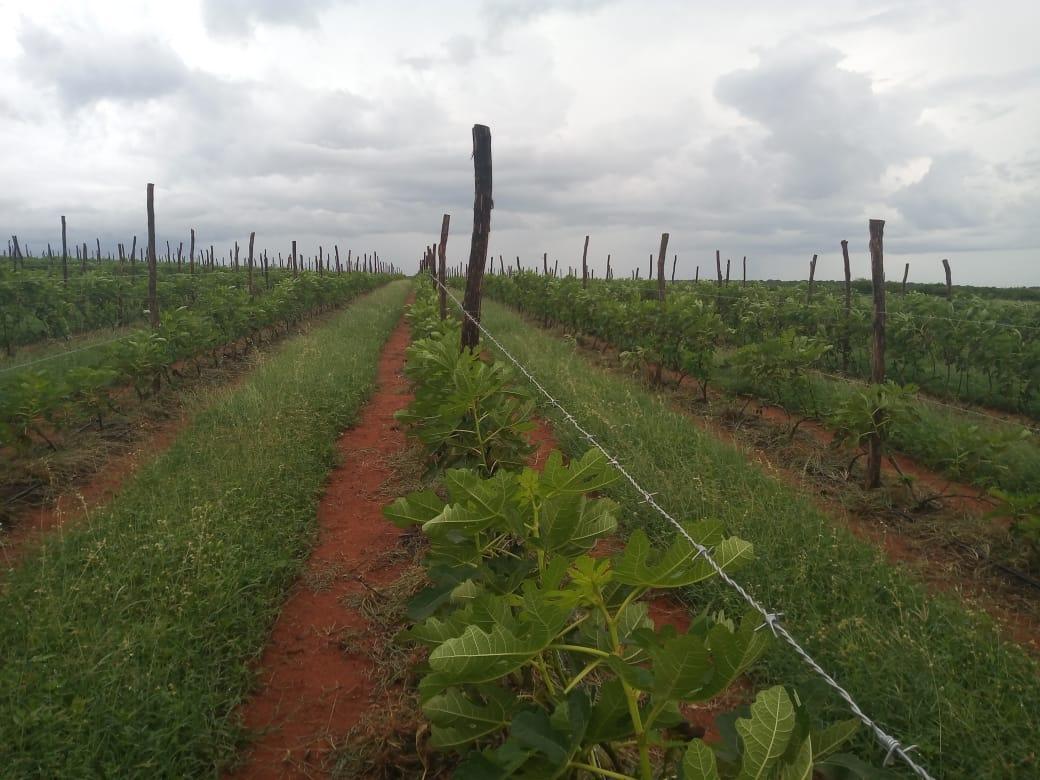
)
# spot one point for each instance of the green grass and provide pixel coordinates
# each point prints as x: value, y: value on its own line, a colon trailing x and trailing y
x: 924, y: 666
x: 126, y: 642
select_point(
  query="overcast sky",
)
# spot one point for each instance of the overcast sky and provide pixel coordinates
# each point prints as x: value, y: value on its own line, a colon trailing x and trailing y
x: 766, y: 129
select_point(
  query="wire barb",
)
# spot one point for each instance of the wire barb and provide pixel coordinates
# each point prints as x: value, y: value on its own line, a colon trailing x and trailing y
x: 771, y: 618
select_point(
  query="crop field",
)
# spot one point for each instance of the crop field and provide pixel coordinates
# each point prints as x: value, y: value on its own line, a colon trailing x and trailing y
x: 313, y: 518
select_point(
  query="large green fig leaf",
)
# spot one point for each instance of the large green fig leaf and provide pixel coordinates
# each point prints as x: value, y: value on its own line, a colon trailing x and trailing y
x: 733, y: 652
x: 825, y: 742
x: 458, y: 719
x: 801, y: 767
x: 766, y: 733
x: 610, y: 720
x: 481, y: 656
x: 415, y: 509
x: 588, y: 473
x: 573, y: 524
x: 680, y: 668
x: 699, y: 762
x: 679, y: 565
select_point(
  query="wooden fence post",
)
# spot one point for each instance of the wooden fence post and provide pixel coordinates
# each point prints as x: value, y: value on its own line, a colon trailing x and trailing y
x: 585, y: 264
x: 482, y: 205
x: 442, y: 266
x: 743, y: 278
x: 98, y: 249
x: 949, y: 279
x: 660, y: 267
x: 133, y: 256
x: 718, y: 267
x: 64, y: 253
x: 153, y: 297
x: 294, y: 267
x: 727, y: 272
x: 696, y: 274
x: 556, y: 268
x: 906, y: 273
x: 252, y: 236
x: 675, y: 262
x: 877, y: 354
x: 191, y: 253
x: 812, y: 278
x: 848, y: 306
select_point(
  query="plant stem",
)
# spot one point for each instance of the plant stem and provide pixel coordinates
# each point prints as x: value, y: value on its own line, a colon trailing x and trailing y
x: 599, y: 771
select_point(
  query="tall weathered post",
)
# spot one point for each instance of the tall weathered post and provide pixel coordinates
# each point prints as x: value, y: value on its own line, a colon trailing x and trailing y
x: 906, y: 273
x: 660, y: 266
x: 949, y: 279
x: 743, y: 278
x: 585, y: 264
x: 64, y: 253
x: 877, y: 353
x: 848, y: 306
x: 294, y: 262
x: 252, y: 236
x: 482, y: 205
x: 153, y: 297
x: 442, y: 255
x: 812, y: 278
x: 718, y: 267
x: 191, y: 253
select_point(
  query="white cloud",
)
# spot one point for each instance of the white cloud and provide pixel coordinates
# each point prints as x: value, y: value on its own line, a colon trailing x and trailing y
x: 748, y: 130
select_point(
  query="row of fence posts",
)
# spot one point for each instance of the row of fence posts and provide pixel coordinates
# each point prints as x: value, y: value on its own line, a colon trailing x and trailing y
x: 208, y: 259
x: 433, y: 262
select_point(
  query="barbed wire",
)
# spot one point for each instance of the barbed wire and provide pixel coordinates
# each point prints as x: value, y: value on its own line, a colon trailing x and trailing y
x: 771, y: 619
x: 64, y: 354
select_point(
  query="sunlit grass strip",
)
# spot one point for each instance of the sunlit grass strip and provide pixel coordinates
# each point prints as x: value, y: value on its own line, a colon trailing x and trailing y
x: 927, y: 668
x: 125, y: 645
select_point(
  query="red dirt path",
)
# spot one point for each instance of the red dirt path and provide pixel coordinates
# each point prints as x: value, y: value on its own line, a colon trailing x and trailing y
x: 312, y: 691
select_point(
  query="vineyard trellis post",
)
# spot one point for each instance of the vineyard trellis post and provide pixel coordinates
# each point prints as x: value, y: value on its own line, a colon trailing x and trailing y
x: 442, y: 253
x: 252, y: 292
x: 482, y: 205
x: 64, y: 253
x: 660, y: 267
x: 585, y: 264
x: 660, y: 295
x: 153, y: 292
x: 877, y: 354
x: 848, y: 306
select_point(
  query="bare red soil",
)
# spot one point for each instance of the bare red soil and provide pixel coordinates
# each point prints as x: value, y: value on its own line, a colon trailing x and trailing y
x: 312, y: 691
